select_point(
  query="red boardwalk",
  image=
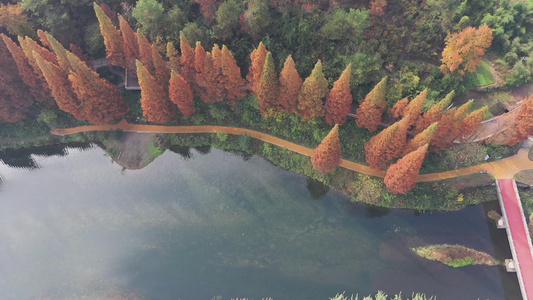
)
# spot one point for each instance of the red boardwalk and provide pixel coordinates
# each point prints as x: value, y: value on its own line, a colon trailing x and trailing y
x: 518, y: 235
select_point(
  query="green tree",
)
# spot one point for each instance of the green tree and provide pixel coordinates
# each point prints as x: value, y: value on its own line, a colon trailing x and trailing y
x: 227, y: 18
x: 256, y: 18
x: 345, y: 25
x: 149, y: 13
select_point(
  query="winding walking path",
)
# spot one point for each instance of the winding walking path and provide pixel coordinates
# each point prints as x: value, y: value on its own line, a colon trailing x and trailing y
x: 503, y: 170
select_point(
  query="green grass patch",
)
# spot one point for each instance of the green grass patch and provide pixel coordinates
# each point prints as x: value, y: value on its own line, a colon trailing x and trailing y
x: 482, y: 76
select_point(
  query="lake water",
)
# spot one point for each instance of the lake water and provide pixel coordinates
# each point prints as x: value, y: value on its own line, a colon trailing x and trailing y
x: 74, y: 225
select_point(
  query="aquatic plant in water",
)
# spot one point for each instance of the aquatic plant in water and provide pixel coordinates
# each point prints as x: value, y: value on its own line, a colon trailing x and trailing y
x: 455, y: 255
x: 382, y: 296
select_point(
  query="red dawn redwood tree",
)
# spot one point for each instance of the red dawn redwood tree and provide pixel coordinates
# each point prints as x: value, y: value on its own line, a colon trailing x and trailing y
x: 434, y: 113
x: 208, y: 8
x: 523, y: 127
x: 323, y: 89
x: 267, y: 89
x: 161, y: 71
x: 370, y: 111
x: 441, y: 136
x: 61, y: 88
x: 459, y: 117
x: 112, y: 38
x: 327, y: 156
x: 258, y: 57
x: 187, y: 59
x: 37, y: 85
x: 79, y: 53
x: 14, y: 96
x: 210, y: 88
x: 339, y: 100
x: 398, y: 141
x: 61, y: 54
x: 472, y: 121
x: 181, y: 94
x: 309, y: 100
x: 377, y: 147
x: 43, y: 37
x: 421, y: 139
x: 102, y: 101
x: 28, y: 46
x: 129, y: 41
x: 155, y: 108
x: 233, y: 81
x: 465, y: 49
x: 173, y: 57
x: 397, y: 109
x: 145, y: 52
x: 414, y: 108
x: 401, y: 176
x: 199, y: 64
x: 290, y: 83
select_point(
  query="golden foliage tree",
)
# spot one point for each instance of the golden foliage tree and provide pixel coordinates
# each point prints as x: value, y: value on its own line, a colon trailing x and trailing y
x: 326, y: 156
x: 173, y: 57
x: 421, y: 139
x: 472, y: 122
x: 317, y: 72
x: 267, y: 89
x: 28, y: 46
x: 339, y: 100
x: 372, y: 107
x: 434, y: 113
x: 414, y: 108
x: 465, y: 49
x: 290, y: 83
x: 309, y: 100
x: 401, y: 176
x: 112, y: 38
x: 60, y: 53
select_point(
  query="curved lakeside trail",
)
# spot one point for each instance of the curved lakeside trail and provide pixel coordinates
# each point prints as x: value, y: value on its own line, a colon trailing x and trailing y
x: 504, y: 168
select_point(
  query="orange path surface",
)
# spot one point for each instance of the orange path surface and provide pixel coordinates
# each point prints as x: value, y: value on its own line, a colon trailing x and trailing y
x: 504, y: 168
x: 518, y: 235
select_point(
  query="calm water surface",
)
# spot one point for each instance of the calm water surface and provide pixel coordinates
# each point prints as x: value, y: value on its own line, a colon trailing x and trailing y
x: 74, y: 225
